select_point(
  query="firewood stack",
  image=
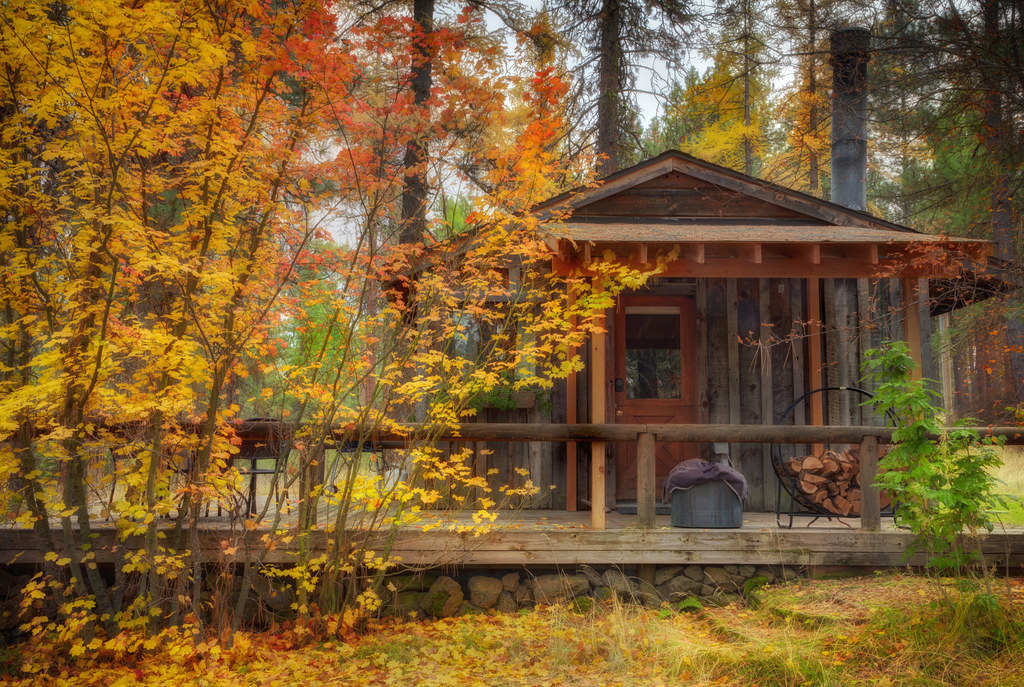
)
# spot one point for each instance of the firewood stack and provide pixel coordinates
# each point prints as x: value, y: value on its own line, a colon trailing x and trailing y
x: 829, y: 482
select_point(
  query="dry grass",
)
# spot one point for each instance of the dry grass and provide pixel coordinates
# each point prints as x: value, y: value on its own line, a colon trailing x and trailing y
x: 889, y: 629
x: 1011, y: 477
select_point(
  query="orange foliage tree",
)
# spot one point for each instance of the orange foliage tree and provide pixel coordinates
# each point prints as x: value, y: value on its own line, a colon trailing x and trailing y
x: 199, y: 209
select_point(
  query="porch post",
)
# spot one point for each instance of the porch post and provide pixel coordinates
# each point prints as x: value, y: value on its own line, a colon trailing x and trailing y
x: 597, y: 416
x: 912, y: 323
x: 870, y: 499
x: 570, y: 416
x: 645, y: 487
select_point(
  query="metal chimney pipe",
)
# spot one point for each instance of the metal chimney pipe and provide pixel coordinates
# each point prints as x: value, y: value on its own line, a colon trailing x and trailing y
x: 850, y: 55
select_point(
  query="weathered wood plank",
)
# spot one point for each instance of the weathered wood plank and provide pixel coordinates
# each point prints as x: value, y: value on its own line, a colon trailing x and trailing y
x: 645, y: 488
x: 764, y: 302
x: 598, y: 377
x: 684, y: 202
x: 870, y: 499
x: 748, y: 380
x: 732, y: 348
x: 576, y: 547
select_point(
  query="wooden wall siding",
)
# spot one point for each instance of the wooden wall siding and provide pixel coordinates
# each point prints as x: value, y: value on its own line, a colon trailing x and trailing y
x: 507, y: 459
x: 755, y: 365
x: 689, y: 202
x: 842, y: 349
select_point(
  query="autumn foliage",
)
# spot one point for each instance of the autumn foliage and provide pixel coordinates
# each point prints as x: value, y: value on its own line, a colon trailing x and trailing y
x: 200, y: 205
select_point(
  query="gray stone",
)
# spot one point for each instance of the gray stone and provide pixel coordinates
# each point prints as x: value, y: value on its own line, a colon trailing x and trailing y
x: 603, y: 594
x: 444, y: 598
x: 276, y: 594
x: 787, y: 573
x: 722, y: 598
x: 510, y: 582
x: 649, y: 594
x: 593, y: 576
x: 524, y: 595
x: 721, y: 579
x: 506, y: 603
x: 405, y: 604
x: 551, y: 589
x: 411, y: 582
x: 694, y: 572
x: 679, y: 587
x: 663, y: 575
x: 747, y: 571
x: 765, y: 572
x: 484, y: 591
x: 619, y: 582
x: 732, y: 569
x: 469, y: 609
x: 708, y: 590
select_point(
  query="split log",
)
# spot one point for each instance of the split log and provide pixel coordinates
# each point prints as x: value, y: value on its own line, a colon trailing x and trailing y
x: 829, y: 483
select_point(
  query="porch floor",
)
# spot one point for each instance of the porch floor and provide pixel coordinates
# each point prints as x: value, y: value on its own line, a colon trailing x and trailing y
x: 563, y: 539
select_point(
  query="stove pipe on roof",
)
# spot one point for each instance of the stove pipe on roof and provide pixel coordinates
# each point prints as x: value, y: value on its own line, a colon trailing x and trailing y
x: 850, y: 55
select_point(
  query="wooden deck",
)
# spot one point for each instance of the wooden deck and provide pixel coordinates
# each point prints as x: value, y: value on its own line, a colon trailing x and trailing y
x: 556, y: 538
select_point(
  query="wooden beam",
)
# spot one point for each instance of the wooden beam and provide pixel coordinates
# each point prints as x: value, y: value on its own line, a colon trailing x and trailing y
x: 912, y: 324
x: 814, y: 348
x: 798, y: 345
x: 645, y: 481
x: 643, y: 253
x: 870, y: 499
x: 696, y: 253
x: 571, y: 417
x: 598, y: 377
x: 732, y: 346
x: 764, y: 302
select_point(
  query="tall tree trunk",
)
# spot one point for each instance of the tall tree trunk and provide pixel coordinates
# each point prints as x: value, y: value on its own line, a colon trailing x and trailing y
x: 1002, y: 220
x: 748, y: 148
x: 812, y: 89
x: 417, y: 188
x: 609, y: 80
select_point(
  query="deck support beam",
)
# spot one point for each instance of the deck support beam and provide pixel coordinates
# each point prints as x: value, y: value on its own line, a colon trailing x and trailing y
x: 645, y: 481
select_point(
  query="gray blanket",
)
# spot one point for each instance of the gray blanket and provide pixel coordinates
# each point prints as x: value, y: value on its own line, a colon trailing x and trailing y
x: 690, y: 473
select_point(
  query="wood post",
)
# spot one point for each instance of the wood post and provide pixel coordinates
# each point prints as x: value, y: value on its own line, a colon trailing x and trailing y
x: 870, y: 499
x: 912, y: 324
x: 598, y: 382
x: 645, y: 487
x: 571, y: 417
x: 814, y: 348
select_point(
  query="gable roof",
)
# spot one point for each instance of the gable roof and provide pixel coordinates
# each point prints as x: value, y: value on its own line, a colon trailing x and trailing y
x: 613, y: 211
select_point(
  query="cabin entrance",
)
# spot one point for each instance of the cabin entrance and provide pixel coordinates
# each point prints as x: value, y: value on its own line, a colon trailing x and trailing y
x: 654, y: 379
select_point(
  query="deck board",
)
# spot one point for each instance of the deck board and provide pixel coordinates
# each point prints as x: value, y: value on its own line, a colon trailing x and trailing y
x: 558, y: 538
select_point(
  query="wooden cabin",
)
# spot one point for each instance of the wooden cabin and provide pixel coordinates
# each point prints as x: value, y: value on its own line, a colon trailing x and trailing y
x: 771, y: 293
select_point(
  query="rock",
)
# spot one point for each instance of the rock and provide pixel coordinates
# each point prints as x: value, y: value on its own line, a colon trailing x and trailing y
x: 469, y: 609
x: 619, y: 582
x: 788, y: 574
x: 411, y: 582
x: 721, y: 579
x: 694, y: 572
x: 444, y: 598
x: 484, y: 591
x: 649, y: 594
x: 679, y: 587
x: 405, y: 604
x: 732, y: 569
x: 663, y: 575
x: 723, y: 598
x: 510, y: 582
x: 277, y: 595
x: 551, y: 589
x: 765, y: 572
x: 603, y: 594
x: 593, y: 576
x: 524, y: 595
x: 506, y: 603
x: 747, y: 571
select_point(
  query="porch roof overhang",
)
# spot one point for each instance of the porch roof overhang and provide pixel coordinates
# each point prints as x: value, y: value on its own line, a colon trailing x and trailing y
x: 730, y: 247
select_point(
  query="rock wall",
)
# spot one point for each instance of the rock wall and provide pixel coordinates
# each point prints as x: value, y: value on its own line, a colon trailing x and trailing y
x: 442, y: 596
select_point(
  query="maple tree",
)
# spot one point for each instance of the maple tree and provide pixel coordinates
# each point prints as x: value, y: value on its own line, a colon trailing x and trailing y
x: 200, y: 205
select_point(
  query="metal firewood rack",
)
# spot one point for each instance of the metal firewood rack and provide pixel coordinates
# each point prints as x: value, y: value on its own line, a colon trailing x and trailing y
x: 787, y: 483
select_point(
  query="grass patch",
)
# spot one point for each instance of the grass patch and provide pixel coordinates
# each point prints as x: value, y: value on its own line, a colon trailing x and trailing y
x: 890, y: 629
x: 1011, y: 482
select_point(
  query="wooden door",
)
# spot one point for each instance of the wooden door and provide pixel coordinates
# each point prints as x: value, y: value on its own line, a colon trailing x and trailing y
x: 655, y: 380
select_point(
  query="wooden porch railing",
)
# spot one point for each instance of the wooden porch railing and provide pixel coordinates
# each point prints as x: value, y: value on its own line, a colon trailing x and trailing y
x: 647, y: 435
